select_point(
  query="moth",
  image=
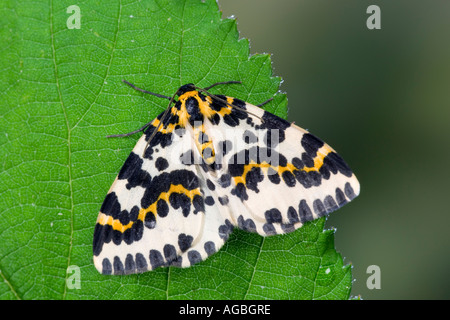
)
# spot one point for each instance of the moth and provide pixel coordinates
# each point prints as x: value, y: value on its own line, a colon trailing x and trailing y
x: 205, y: 165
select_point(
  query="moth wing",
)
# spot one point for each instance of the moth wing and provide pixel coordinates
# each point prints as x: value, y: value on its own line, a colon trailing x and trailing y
x: 154, y: 213
x: 275, y: 175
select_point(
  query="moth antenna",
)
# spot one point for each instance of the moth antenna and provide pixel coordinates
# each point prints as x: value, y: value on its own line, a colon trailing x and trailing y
x: 219, y: 83
x: 171, y: 99
x: 265, y: 102
x: 129, y: 133
x: 145, y: 91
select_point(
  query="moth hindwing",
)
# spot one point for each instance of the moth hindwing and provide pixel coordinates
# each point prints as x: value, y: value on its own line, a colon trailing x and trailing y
x: 207, y: 164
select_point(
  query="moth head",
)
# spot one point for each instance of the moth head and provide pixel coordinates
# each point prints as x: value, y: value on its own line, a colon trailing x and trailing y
x: 185, y: 88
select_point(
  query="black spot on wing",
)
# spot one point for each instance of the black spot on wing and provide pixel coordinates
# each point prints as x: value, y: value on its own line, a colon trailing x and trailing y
x: 210, y: 185
x: 289, y: 178
x: 194, y: 257
x: 141, y: 263
x: 162, y: 208
x: 269, y: 229
x: 349, y: 191
x: 161, y: 164
x: 273, y: 216
x: 305, y: 212
x: 293, y: 215
x: 199, y: 204
x: 218, y: 104
x: 210, y: 247
x: 215, y: 119
x: 209, y: 201
x: 156, y: 259
x: 240, y: 191
x: 134, y: 174
x: 230, y: 120
x: 340, y: 197
x: 297, y: 163
x: 273, y: 176
x: 236, y: 115
x: 133, y: 161
x: 225, y: 230
x: 325, y: 170
x: 271, y: 121
x: 319, y: 208
x: 170, y: 253
x: 130, y: 265
x: 117, y: 237
x: 134, y: 214
x: 330, y: 204
x: 246, y: 224
x: 118, y: 266
x: 137, y: 230
x: 163, y: 182
x: 253, y: 177
x: 239, y: 103
x: 340, y: 164
x: 184, y: 241
x: 311, y: 144
x: 106, y: 266
x: 308, y: 179
x: 287, y: 227
x: 100, y: 237
x: 123, y: 217
x: 224, y: 180
x: 307, y: 160
x: 150, y: 220
x: 224, y: 200
x: 111, y: 205
x: 180, y: 200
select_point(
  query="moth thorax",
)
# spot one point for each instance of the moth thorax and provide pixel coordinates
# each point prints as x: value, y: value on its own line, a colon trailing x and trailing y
x: 192, y: 108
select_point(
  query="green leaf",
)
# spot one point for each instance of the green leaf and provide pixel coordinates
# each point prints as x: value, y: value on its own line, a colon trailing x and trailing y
x: 61, y: 94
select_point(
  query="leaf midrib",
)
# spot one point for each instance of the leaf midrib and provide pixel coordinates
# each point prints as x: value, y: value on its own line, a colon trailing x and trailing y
x: 70, y: 129
x: 5, y: 280
x: 69, y: 158
x: 254, y: 268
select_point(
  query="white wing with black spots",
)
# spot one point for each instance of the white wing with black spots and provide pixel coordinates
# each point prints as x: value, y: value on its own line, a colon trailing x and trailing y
x: 154, y: 213
x: 275, y: 175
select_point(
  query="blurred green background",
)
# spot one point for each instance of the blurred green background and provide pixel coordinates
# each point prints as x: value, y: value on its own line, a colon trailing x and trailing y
x: 381, y: 98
